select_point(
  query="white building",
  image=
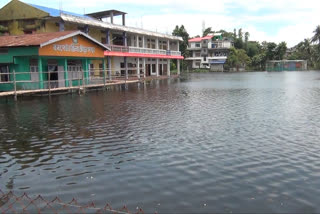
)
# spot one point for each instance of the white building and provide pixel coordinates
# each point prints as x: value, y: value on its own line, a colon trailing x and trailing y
x: 209, y: 52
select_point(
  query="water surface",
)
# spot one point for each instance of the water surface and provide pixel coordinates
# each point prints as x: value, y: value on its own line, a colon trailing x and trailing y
x: 232, y: 143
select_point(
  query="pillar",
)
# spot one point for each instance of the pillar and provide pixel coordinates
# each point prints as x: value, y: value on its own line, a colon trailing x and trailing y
x: 108, y: 37
x: 40, y: 68
x: 143, y: 42
x: 109, y: 67
x: 157, y: 43
x: 66, y: 75
x: 168, y: 67
x: 124, y: 36
x: 157, y: 67
x: 124, y: 19
x: 138, y: 68
x: 168, y: 45
x: 126, y: 67
x: 178, y: 46
x: 144, y: 68
x: 111, y: 17
x: 178, y: 66
x: 137, y: 38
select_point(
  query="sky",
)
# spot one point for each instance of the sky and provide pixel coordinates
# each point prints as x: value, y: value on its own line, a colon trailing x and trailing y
x: 266, y: 20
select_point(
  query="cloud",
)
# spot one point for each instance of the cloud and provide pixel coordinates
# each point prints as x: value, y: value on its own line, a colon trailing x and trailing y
x: 282, y: 20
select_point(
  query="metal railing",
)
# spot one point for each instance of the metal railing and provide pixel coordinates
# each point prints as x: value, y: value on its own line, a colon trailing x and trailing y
x: 129, y: 49
x: 15, y: 83
x: 61, y: 80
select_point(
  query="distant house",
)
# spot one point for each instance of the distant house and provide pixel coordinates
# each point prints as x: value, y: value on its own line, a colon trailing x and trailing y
x: 209, y: 52
x: 287, y: 65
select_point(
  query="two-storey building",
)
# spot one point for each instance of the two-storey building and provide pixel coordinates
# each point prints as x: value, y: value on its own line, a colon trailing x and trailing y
x: 209, y: 52
x: 131, y: 52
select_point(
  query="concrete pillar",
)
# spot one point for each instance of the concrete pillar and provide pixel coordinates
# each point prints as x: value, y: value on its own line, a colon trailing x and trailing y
x: 111, y: 17
x: 168, y: 45
x: 124, y: 19
x: 41, y: 85
x: 144, y: 68
x: 109, y: 67
x: 178, y: 46
x: 126, y: 67
x: 168, y: 67
x: 143, y: 42
x: 108, y: 37
x: 178, y: 66
x: 124, y: 36
x: 137, y: 40
x: 138, y: 68
x: 157, y: 43
x: 157, y: 67
x: 66, y: 76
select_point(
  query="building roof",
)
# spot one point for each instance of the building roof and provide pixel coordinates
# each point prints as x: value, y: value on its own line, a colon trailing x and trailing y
x: 55, y: 12
x: 105, y: 14
x: 199, y: 39
x: 121, y: 28
x: 41, y: 39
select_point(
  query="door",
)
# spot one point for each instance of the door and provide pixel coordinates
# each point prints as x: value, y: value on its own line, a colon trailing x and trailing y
x: 61, y: 79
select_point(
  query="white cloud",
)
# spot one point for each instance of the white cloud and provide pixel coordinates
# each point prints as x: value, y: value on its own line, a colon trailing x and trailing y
x: 297, y: 18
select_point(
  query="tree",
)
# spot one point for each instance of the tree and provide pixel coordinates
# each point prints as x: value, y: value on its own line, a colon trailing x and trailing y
x: 237, y: 58
x: 182, y: 32
x: 207, y: 31
x: 271, y: 50
x: 280, y: 51
x: 234, y: 34
x: 316, y: 36
x: 246, y: 39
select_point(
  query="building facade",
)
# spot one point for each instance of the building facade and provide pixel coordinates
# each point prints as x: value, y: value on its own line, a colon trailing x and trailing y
x: 209, y: 52
x: 47, y: 60
x: 132, y: 52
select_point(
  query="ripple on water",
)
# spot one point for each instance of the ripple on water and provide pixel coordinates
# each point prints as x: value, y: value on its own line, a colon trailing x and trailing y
x: 206, y: 143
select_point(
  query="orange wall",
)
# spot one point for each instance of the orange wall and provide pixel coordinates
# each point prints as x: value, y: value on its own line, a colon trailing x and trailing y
x: 50, y: 51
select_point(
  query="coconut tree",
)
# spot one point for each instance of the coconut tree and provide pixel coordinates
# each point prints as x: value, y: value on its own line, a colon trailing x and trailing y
x: 316, y: 36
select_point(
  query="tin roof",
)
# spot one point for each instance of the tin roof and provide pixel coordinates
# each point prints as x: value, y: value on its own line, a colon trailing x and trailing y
x: 41, y: 39
x: 55, y: 12
x: 106, y: 25
x: 199, y: 39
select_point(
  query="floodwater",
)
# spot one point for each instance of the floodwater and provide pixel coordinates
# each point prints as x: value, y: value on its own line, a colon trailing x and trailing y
x: 241, y: 142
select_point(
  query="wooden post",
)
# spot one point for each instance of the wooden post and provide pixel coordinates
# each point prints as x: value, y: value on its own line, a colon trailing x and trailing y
x: 15, y: 85
x: 49, y: 82
x: 104, y: 72
x: 109, y: 68
x: 79, y: 82
x: 83, y: 83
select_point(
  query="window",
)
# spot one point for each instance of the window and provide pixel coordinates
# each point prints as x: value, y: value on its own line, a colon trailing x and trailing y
x: 197, y: 45
x: 4, y: 51
x: 104, y: 40
x: 74, y: 68
x: 4, y: 73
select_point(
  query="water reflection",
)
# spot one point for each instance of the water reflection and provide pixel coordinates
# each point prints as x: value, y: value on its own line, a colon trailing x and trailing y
x: 233, y: 142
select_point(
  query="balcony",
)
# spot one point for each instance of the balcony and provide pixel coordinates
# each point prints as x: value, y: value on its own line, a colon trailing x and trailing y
x: 124, y: 49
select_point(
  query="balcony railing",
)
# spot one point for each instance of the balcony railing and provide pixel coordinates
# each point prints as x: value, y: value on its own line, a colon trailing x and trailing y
x: 124, y: 49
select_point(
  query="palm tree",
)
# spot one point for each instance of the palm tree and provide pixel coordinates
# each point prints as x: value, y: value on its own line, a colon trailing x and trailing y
x: 316, y: 37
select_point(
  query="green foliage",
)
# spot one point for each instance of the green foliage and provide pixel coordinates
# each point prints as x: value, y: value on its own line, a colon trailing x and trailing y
x: 238, y: 58
x: 207, y: 31
x: 182, y: 32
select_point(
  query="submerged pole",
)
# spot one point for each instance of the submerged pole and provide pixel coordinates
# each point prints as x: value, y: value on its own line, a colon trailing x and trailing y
x: 15, y: 85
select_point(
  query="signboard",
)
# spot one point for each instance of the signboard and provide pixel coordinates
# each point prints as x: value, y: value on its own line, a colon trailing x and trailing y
x: 77, y: 46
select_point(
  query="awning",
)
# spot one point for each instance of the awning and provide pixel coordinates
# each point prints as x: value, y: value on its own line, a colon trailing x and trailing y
x: 141, y: 55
